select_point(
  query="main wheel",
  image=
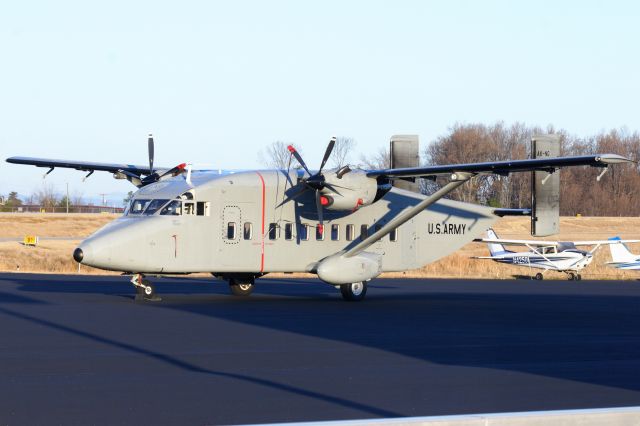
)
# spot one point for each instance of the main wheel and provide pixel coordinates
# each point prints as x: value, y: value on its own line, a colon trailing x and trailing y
x: 539, y: 276
x: 572, y: 276
x: 579, y: 277
x: 354, y: 292
x: 241, y: 287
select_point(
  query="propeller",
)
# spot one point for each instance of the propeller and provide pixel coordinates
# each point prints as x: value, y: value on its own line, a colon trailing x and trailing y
x: 315, y: 181
x: 154, y: 176
x: 151, y: 153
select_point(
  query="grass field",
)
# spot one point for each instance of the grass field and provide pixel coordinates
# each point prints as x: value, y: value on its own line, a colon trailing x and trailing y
x: 54, y: 256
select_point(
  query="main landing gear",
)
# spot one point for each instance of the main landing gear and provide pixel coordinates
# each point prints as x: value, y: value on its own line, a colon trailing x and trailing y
x: 571, y: 276
x: 354, y: 292
x: 241, y: 286
x: 145, y: 290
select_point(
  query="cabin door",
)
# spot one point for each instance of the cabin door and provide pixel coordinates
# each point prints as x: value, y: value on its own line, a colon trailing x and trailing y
x: 240, y: 250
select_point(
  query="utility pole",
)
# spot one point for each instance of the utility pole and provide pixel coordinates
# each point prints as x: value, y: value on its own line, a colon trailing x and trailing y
x: 104, y: 201
x: 67, y: 197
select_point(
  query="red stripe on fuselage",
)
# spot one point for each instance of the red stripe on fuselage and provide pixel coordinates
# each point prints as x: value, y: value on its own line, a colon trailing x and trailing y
x: 262, y: 227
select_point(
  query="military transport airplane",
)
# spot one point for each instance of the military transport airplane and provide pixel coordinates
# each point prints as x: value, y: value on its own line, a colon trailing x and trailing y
x: 346, y: 225
x: 561, y: 256
x: 621, y: 256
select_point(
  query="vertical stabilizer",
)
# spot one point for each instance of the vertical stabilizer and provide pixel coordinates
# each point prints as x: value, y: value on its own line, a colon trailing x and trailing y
x: 545, y: 188
x: 494, y: 248
x: 620, y: 252
x: 405, y: 152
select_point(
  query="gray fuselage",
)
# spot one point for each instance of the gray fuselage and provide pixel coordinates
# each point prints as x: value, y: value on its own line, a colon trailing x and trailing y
x: 246, y: 223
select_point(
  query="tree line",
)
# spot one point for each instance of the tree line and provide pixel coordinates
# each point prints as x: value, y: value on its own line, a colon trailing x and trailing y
x: 580, y: 193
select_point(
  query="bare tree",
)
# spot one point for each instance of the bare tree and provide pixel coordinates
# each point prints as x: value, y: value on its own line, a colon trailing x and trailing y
x: 46, y: 196
x: 276, y: 155
x: 341, y: 151
x: 380, y: 159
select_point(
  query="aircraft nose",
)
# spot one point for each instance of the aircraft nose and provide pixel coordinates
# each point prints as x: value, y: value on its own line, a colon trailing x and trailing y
x: 78, y: 255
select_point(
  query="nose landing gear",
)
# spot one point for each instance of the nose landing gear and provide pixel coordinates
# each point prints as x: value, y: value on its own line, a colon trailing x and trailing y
x: 145, y: 290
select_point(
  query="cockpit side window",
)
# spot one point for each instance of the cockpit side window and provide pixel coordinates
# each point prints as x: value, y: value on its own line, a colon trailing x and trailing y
x: 138, y: 206
x: 174, y: 208
x: 189, y: 208
x: 154, y: 206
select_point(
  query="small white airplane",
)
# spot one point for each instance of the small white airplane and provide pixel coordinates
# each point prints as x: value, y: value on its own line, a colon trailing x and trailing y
x: 621, y: 256
x: 561, y: 256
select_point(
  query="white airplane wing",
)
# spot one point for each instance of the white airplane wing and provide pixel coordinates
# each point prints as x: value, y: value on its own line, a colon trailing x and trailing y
x: 534, y: 243
x: 596, y: 242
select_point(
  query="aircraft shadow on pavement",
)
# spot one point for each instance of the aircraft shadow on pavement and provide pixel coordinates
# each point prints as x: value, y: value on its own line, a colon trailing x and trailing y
x: 535, y: 328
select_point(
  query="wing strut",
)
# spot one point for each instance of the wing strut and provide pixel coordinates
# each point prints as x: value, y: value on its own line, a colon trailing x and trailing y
x: 456, y: 180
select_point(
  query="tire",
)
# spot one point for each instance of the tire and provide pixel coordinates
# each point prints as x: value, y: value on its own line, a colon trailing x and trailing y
x: 354, y: 292
x: 241, y: 287
x: 578, y: 277
x: 572, y: 276
x: 149, y: 289
x: 539, y: 276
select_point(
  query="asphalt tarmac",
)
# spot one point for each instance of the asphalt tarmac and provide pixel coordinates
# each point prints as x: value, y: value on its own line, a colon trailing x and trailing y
x: 79, y: 350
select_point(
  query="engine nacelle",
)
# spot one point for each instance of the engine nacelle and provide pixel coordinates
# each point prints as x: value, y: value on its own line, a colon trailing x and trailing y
x: 348, y: 191
x: 338, y: 269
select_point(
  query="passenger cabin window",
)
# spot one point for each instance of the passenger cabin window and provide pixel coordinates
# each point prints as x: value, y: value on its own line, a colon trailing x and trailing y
x: 154, y: 206
x: 319, y: 232
x: 137, y: 206
x: 364, y: 232
x: 335, y: 232
x: 189, y: 208
x: 248, y: 231
x: 273, y: 231
x: 303, y: 233
x: 393, y: 235
x: 231, y: 231
x: 174, y: 208
x: 350, y: 232
x: 202, y: 208
x: 288, y: 231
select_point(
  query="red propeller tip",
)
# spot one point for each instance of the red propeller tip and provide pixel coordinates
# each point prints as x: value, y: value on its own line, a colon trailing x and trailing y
x: 291, y: 149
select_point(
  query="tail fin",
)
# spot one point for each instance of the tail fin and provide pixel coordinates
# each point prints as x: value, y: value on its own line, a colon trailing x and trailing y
x: 620, y: 252
x: 494, y: 248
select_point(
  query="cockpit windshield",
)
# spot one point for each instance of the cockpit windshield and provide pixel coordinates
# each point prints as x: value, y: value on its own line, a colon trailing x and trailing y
x: 138, y: 206
x: 154, y: 206
x: 174, y: 208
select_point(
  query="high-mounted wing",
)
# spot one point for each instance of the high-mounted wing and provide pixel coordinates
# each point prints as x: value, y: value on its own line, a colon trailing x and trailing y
x: 502, y: 167
x: 81, y: 165
x: 533, y: 243
x: 137, y: 175
x: 601, y: 242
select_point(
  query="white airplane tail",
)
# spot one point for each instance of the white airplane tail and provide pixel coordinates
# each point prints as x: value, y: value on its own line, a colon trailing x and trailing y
x: 494, y: 248
x: 620, y: 252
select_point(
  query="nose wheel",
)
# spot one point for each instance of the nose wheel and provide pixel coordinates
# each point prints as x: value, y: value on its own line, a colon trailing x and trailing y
x: 145, y: 290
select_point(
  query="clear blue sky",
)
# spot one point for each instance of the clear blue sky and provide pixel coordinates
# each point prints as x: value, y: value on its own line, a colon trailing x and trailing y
x: 216, y: 81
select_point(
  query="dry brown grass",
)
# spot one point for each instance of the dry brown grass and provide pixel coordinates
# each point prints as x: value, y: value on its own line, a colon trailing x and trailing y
x: 51, y: 225
x: 55, y: 256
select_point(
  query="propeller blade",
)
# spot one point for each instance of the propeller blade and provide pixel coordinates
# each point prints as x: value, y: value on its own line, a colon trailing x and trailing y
x: 151, y: 152
x: 174, y: 171
x: 295, y: 153
x: 319, y: 207
x: 292, y: 194
x: 327, y: 153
